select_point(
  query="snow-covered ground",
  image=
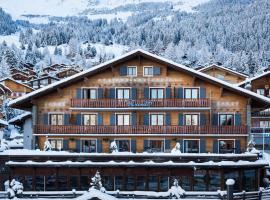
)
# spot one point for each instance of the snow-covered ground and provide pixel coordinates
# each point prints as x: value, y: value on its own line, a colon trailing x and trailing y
x: 10, y: 39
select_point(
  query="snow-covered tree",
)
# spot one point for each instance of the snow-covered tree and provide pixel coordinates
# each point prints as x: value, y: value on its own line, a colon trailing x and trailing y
x: 176, y: 149
x: 113, y: 147
x: 96, y: 182
x: 176, y: 191
x: 14, y: 188
x: 47, y: 145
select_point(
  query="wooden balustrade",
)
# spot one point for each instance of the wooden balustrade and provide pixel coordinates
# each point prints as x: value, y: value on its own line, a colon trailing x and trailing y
x: 139, y: 129
x: 123, y: 103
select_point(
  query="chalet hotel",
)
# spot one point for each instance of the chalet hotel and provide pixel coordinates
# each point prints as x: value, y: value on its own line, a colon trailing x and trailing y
x: 146, y: 104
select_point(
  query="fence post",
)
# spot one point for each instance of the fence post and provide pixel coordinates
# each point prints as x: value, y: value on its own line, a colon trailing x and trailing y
x: 244, y: 195
x: 230, y: 183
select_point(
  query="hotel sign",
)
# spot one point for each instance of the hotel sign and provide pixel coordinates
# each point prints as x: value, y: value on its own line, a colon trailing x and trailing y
x: 132, y: 103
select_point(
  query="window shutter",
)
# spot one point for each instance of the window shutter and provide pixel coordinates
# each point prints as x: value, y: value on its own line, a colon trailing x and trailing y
x: 181, y: 145
x: 133, y: 146
x: 65, y: 145
x: 134, y: 119
x: 79, y: 119
x: 238, y: 119
x: 112, y: 119
x: 100, y: 93
x: 180, y: 93
x: 134, y: 93
x: 167, y: 145
x: 112, y: 93
x: 78, y: 146
x: 237, y: 146
x: 202, y: 146
x: 168, y: 119
x: 146, y: 119
x: 145, y: 145
x: 181, y: 119
x: 123, y: 71
x: 202, y: 119
x: 99, y: 119
x: 215, y: 146
x: 46, y: 119
x: 66, y: 119
x: 156, y: 70
x: 168, y: 93
x: 146, y: 93
x: 99, y: 146
x: 202, y: 93
x: 79, y: 93
x: 215, y: 119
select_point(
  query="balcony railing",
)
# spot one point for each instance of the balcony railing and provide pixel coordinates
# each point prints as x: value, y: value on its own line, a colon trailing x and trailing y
x: 139, y: 129
x: 122, y: 103
x: 260, y: 130
x: 261, y: 114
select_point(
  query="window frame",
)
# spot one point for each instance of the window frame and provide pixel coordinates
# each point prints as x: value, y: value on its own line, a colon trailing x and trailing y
x: 150, y: 118
x: 122, y: 88
x: 224, y: 113
x: 116, y: 119
x: 157, y: 139
x: 56, y: 113
x: 260, y: 89
x: 199, y: 146
x: 123, y: 139
x: 81, y: 140
x: 136, y: 70
x: 198, y: 114
x: 234, y: 148
x: 191, y: 88
x: 148, y: 75
x: 89, y: 88
x: 156, y: 88
x: 57, y: 139
x: 82, y: 118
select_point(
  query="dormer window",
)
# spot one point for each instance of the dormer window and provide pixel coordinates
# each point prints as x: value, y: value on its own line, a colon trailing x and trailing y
x: 151, y: 71
x: 132, y: 71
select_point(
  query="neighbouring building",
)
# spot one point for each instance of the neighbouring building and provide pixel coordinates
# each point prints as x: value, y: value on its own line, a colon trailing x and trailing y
x: 42, y: 81
x: 224, y: 73
x: 140, y: 105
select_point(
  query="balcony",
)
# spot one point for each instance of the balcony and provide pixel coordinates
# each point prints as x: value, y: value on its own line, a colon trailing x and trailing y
x: 260, y: 130
x: 139, y: 129
x: 140, y: 103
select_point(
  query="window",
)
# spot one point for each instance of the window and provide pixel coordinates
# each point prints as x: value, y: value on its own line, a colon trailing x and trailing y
x: 118, y: 183
x: 264, y: 124
x: 164, y: 183
x: 89, y: 93
x: 130, y: 183
x: 226, y: 119
x: 148, y: 71
x: 249, y: 180
x: 131, y: 71
x: 220, y: 76
x: 200, y: 180
x: 191, y: 146
x: 57, y: 144
x: 156, y: 145
x: 84, y: 180
x: 123, y: 119
x: 89, y: 119
x: 153, y: 183
x: 44, y: 82
x: 88, y: 146
x: 156, y: 119
x: 62, y: 183
x: 156, y: 93
x: 123, y: 145
x: 74, y: 182
x: 191, y: 119
x: 140, y: 183
x: 40, y: 180
x: 214, y: 180
x: 123, y: 93
x: 56, y: 119
x: 191, y: 93
x: 226, y: 146
x: 108, y: 182
x: 233, y: 174
x: 260, y: 91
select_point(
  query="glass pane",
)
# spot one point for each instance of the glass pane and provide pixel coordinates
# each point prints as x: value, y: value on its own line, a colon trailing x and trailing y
x: 108, y: 182
x: 74, y: 182
x: 195, y: 93
x: 141, y: 183
x: 153, y: 183
x: 28, y: 183
x: 119, y: 93
x: 119, y: 185
x: 40, y: 183
x: 249, y: 179
x: 188, y: 120
x: 93, y: 94
x: 153, y: 120
x: 160, y: 94
x: 53, y: 120
x: 62, y: 183
x: 130, y: 183
x: 120, y: 120
x: 126, y: 94
x: 126, y: 120
x: 195, y: 120
x: 215, y: 180
x: 59, y: 145
x: 160, y: 120
x: 60, y: 120
x: 86, y: 120
x: 153, y: 94
x: 164, y: 183
x: 123, y: 145
x: 84, y: 182
x: 222, y: 120
x: 200, y: 180
x: 187, y: 93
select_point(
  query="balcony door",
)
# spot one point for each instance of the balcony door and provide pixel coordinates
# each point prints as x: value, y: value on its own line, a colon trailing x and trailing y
x: 56, y: 119
x: 191, y: 93
x: 226, y: 146
x: 156, y: 119
x: 89, y: 93
x: 226, y: 119
x: 123, y: 119
x: 157, y: 93
x: 191, y: 119
x: 123, y: 93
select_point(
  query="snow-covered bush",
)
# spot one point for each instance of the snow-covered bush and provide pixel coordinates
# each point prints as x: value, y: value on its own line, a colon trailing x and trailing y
x: 251, y: 147
x: 96, y: 182
x: 3, y: 145
x: 13, y: 188
x: 47, y: 145
x: 176, y: 149
x: 113, y: 147
x: 176, y: 191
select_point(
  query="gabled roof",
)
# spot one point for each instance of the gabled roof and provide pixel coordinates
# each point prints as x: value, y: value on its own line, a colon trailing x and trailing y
x: 254, y: 78
x: 223, y: 68
x: 134, y: 54
x: 11, y: 79
x: 45, y: 77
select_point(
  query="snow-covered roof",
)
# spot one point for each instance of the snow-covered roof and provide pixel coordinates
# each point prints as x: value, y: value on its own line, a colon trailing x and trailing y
x: 138, y: 52
x: 20, y: 117
x: 138, y: 164
x: 3, y: 122
x: 11, y: 79
x: 223, y: 68
x: 254, y: 78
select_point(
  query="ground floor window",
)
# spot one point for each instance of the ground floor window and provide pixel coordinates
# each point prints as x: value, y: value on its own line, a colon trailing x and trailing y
x: 226, y: 146
x: 51, y: 182
x: 89, y: 146
x: 232, y: 175
x: 84, y: 183
x: 40, y: 180
x: 74, y: 182
x: 164, y: 183
x: 108, y: 182
x: 118, y: 183
x: 141, y: 183
x: 57, y: 144
x: 191, y: 146
x: 153, y: 183
x: 200, y: 180
x: 123, y: 145
x: 62, y: 183
x: 214, y: 180
x: 156, y: 145
x: 130, y: 183
x: 249, y: 180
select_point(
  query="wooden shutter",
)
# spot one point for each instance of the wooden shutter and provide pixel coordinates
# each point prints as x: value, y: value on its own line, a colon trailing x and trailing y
x: 202, y: 146
x: 202, y: 93
x: 123, y: 71
x: 146, y: 119
x: 112, y: 93
x: 146, y: 93
x: 79, y: 93
x: 167, y: 145
x: 237, y: 146
x: 237, y: 119
x: 78, y: 146
x: 168, y: 119
x: 99, y: 146
x: 215, y: 119
x: 46, y: 119
x: 133, y: 146
x: 145, y: 145
x: 112, y: 119
x: 79, y: 119
x: 180, y: 93
x: 66, y: 119
x: 168, y: 93
x: 156, y: 70
x: 134, y: 119
x: 99, y: 119
x: 133, y: 93
x: 181, y: 119
x: 100, y: 93
x: 65, y: 145
x: 215, y: 146
x: 202, y: 119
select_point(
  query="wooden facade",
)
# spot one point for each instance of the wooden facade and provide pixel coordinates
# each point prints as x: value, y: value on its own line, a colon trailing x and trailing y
x: 145, y: 104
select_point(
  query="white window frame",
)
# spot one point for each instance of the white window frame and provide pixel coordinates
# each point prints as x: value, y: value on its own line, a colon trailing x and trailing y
x: 226, y: 113
x: 128, y: 139
x: 164, y: 92
x: 55, y: 113
x: 95, y: 88
x: 191, y: 140
x: 199, y: 95
x: 88, y: 140
x: 57, y: 139
x: 260, y: 89
x: 189, y: 113
x: 89, y: 113
x: 158, y: 139
x: 130, y: 122
x: 225, y: 140
x: 116, y: 95
x: 157, y: 113
x: 136, y: 69
x: 145, y: 75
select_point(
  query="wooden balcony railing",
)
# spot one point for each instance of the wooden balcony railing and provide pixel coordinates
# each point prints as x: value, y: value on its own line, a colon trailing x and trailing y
x: 260, y: 130
x: 122, y: 103
x: 139, y: 129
